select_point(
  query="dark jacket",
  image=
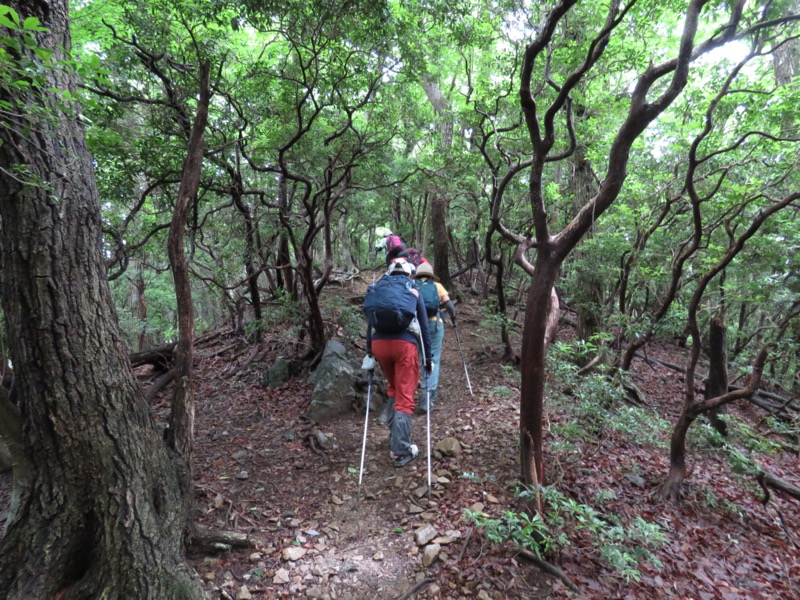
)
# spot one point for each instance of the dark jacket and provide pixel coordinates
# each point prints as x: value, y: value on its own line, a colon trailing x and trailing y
x: 407, y: 335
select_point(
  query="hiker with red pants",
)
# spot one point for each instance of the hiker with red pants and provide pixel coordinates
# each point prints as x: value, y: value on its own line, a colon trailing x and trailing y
x: 396, y: 325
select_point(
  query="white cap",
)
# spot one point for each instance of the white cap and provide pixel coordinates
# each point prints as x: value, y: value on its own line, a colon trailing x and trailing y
x: 401, y: 265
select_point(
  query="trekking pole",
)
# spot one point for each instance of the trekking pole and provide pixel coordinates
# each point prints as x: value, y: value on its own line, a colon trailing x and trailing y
x: 428, y: 427
x: 458, y: 340
x: 366, y: 423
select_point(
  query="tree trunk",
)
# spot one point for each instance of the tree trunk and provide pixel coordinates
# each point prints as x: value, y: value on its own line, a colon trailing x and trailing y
x: 102, y: 516
x: 717, y: 383
x: 180, y: 434
x: 139, y: 306
x: 588, y: 285
x: 533, y: 356
x: 441, y: 262
x: 251, y: 251
x: 285, y: 274
x: 672, y: 487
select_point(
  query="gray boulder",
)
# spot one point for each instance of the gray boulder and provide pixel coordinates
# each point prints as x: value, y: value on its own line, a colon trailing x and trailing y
x: 334, y: 383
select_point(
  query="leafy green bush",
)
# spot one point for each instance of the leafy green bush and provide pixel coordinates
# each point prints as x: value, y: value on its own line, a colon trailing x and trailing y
x: 621, y: 545
x: 741, y: 446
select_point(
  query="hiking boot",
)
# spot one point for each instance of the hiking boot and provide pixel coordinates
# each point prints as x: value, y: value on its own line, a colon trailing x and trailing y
x: 401, y: 461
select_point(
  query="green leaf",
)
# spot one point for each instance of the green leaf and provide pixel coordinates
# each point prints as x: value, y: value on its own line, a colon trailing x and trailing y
x: 32, y: 24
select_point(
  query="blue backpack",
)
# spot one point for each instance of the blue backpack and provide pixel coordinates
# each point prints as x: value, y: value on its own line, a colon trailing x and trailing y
x: 392, y: 303
x: 430, y: 296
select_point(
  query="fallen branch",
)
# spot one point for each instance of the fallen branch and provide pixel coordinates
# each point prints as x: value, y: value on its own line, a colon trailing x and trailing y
x: 415, y: 589
x: 548, y: 568
x: 776, y: 483
x: 766, y: 480
x: 464, y: 546
x: 159, y: 385
x: 161, y: 357
x: 786, y: 403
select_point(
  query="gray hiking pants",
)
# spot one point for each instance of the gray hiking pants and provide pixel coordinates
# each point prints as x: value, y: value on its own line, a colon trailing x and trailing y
x: 401, y: 434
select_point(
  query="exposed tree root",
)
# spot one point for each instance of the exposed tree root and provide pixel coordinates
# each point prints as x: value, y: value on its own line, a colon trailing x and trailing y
x: 202, y: 540
x: 767, y: 480
x: 670, y: 491
x: 548, y: 568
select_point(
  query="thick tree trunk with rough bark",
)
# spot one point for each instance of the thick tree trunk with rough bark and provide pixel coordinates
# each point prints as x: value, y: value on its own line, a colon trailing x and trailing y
x: 102, y: 516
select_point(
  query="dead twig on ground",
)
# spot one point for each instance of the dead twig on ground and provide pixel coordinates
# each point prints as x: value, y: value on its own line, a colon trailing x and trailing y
x: 548, y: 568
x: 410, y: 593
x: 766, y: 480
x: 464, y: 545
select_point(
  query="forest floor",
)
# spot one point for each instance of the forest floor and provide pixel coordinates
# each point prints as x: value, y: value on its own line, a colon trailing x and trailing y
x: 318, y: 534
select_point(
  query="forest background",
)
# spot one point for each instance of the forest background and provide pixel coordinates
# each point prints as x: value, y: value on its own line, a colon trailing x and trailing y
x: 635, y: 162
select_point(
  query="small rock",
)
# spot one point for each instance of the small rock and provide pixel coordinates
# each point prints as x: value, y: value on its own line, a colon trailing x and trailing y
x: 219, y: 501
x: 492, y: 499
x: 424, y: 534
x: 414, y: 509
x: 336, y: 500
x: 635, y: 480
x: 484, y: 595
x: 293, y: 553
x: 444, y: 540
x: 210, y: 576
x: 243, y: 593
x: 421, y: 491
x: 281, y: 576
x: 255, y: 557
x: 477, y: 507
x: 242, y: 475
x: 378, y: 556
x: 449, y: 446
x: 430, y: 554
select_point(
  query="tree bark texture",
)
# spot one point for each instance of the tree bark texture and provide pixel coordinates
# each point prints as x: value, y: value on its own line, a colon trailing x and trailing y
x: 102, y: 516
